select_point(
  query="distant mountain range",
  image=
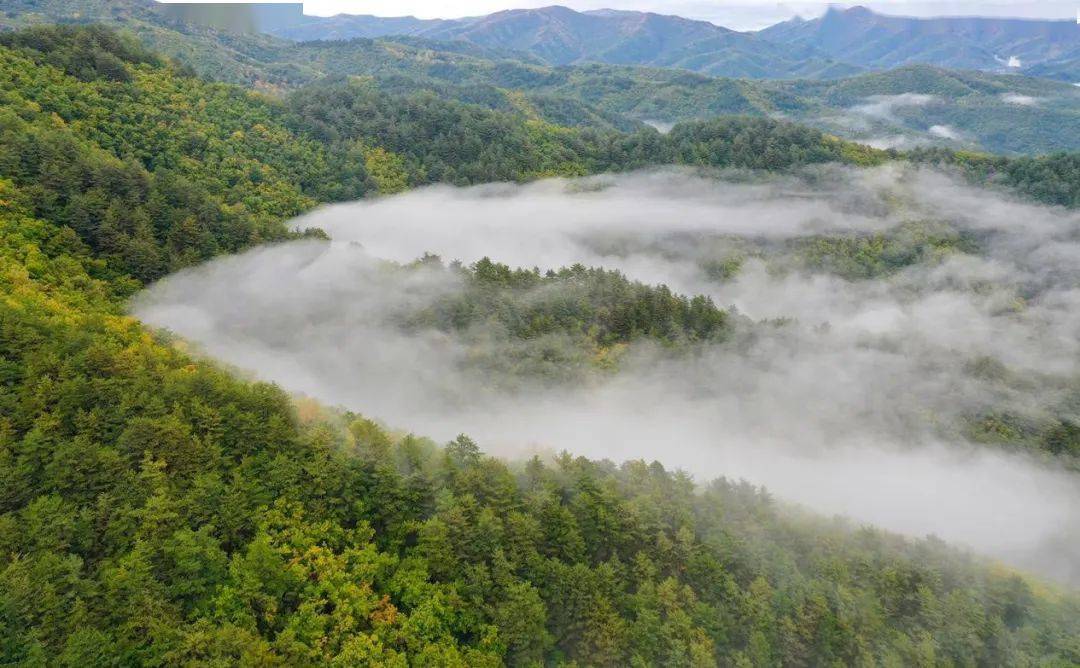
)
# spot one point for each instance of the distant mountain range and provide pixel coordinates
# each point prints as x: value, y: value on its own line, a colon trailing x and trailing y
x: 838, y: 44
x: 901, y: 107
x: 875, y: 41
x: 562, y: 36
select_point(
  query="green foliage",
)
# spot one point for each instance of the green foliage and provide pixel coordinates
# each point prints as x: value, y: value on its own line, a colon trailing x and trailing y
x: 524, y: 326
x: 156, y: 510
x: 387, y: 170
x: 759, y: 143
x: 603, y: 305
x: 877, y: 255
x: 982, y: 106
x: 440, y: 140
x: 154, y: 170
x: 447, y: 141
x: 89, y: 53
x: 1051, y: 179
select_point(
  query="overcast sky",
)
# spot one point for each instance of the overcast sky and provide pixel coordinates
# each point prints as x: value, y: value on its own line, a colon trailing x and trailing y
x: 738, y: 14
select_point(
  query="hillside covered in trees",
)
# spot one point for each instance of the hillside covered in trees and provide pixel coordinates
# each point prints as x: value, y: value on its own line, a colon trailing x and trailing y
x: 157, y: 509
x: 913, y: 105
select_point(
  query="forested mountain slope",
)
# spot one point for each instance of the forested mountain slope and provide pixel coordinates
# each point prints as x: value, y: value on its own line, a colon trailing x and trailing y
x: 155, y: 509
x: 865, y: 38
x: 1053, y: 179
x: 903, y: 108
x: 840, y: 43
x: 919, y: 104
x: 333, y: 129
x: 217, y: 54
x: 111, y: 142
x: 561, y: 36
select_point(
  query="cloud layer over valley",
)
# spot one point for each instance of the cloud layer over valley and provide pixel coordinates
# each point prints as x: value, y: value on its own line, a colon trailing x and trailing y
x: 881, y: 318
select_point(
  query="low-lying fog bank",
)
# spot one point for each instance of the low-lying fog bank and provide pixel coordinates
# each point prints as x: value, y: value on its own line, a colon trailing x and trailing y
x: 846, y: 408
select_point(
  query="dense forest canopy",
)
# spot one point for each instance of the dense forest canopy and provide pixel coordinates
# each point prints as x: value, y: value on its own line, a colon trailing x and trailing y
x: 156, y: 509
x: 913, y: 105
x: 154, y: 170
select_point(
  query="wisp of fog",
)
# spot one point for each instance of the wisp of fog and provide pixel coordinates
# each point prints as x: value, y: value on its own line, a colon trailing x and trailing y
x: 848, y: 405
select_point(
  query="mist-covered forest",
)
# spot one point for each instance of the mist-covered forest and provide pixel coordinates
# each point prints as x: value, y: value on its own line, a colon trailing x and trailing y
x: 740, y: 394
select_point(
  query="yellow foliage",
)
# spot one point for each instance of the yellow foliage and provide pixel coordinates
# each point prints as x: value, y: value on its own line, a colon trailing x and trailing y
x: 517, y: 99
x: 607, y: 358
x: 308, y: 410
x: 386, y: 169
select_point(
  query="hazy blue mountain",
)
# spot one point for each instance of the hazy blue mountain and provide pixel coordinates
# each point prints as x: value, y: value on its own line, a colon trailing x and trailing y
x: 351, y: 26
x: 1065, y: 68
x: 840, y: 43
x: 563, y: 36
x: 865, y: 38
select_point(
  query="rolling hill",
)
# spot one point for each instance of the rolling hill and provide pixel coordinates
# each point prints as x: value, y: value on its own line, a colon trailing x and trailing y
x: 903, y: 108
x: 840, y: 43
x: 920, y: 104
x: 562, y: 36
x: 910, y: 106
x: 867, y: 39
